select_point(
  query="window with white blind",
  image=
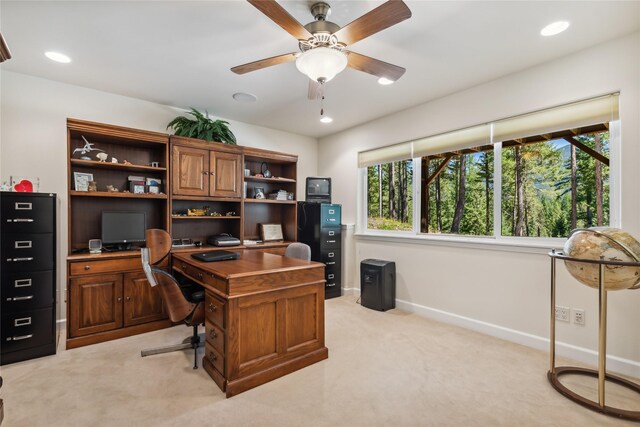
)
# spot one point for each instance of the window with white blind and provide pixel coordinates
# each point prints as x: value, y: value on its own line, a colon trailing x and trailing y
x: 541, y: 174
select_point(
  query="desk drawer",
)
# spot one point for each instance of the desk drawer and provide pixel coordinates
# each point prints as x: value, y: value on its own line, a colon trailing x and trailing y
x: 215, y: 357
x: 215, y: 309
x: 201, y: 276
x: 27, y: 329
x: 83, y: 268
x: 214, y: 336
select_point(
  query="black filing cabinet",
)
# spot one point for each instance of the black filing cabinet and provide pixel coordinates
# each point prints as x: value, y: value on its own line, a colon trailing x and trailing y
x: 319, y: 226
x: 28, y: 275
x: 378, y: 284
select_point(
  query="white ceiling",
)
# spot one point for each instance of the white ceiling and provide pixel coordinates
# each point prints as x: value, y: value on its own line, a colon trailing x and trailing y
x: 180, y: 53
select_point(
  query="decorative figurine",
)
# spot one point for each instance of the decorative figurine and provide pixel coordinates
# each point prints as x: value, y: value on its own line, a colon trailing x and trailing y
x: 93, y: 186
x: 112, y: 189
x: 126, y: 162
x: 230, y: 213
x: 88, y: 148
x: 102, y: 157
x: 114, y: 160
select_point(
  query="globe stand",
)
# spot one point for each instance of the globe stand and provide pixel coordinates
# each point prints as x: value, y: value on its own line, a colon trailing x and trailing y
x: 555, y: 372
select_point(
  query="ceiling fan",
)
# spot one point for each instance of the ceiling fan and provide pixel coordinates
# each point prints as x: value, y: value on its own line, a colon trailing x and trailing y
x: 323, y: 44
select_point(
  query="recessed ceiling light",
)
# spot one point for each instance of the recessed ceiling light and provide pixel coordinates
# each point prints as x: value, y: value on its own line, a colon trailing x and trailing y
x: 554, y: 28
x: 244, y: 97
x: 58, y: 57
x: 326, y: 119
x: 385, y: 81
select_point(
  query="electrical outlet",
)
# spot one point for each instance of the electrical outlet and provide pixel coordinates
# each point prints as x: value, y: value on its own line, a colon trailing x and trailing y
x: 578, y: 316
x: 562, y: 313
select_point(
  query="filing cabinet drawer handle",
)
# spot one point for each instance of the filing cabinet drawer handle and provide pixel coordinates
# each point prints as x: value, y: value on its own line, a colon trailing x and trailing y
x: 22, y: 283
x: 331, y: 263
x: 331, y: 241
x: 23, y: 244
x: 330, y: 284
x: 20, y: 337
x: 21, y: 220
x: 29, y: 258
x: 212, y: 357
x: 23, y: 206
x: 212, y: 308
x: 331, y: 219
x: 331, y: 233
x: 330, y: 276
x: 23, y: 321
x: 24, y: 298
x: 213, y: 335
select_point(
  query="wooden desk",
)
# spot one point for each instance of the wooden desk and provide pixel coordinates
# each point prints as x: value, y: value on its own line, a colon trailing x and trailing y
x: 264, y: 316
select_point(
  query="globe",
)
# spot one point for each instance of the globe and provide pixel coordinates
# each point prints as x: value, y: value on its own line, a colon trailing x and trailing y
x: 612, y: 244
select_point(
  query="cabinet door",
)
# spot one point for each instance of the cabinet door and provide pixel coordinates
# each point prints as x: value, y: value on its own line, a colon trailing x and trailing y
x: 226, y: 174
x: 142, y: 303
x: 95, y: 304
x: 190, y: 171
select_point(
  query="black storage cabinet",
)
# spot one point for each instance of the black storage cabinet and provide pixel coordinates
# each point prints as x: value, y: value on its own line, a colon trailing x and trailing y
x: 378, y: 284
x: 28, y: 276
x: 319, y: 226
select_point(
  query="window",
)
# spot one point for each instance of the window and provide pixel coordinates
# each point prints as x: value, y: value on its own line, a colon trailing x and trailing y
x: 389, y: 196
x: 552, y: 187
x: 541, y: 174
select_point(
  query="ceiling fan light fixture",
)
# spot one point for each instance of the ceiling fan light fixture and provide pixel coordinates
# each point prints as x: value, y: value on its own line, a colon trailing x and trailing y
x: 385, y: 81
x: 321, y: 63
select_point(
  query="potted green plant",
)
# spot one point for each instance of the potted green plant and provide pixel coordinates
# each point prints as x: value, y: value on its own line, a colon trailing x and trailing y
x: 202, y: 128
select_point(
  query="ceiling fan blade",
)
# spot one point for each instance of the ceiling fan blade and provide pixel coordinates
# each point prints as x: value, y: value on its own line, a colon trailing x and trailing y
x: 316, y: 90
x: 5, y: 54
x: 264, y: 63
x: 384, y: 16
x: 277, y: 14
x: 374, y: 66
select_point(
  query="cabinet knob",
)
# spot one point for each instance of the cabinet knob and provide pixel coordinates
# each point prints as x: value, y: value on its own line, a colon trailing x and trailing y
x: 199, y: 275
x: 212, y: 308
x: 128, y: 298
x: 87, y: 267
x: 212, y: 173
x: 119, y: 299
x: 213, y: 335
x: 212, y: 357
x: 205, y: 173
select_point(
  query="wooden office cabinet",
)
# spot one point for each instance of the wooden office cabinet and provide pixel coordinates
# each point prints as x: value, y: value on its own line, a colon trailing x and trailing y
x: 206, y: 169
x: 108, y: 296
x: 95, y: 304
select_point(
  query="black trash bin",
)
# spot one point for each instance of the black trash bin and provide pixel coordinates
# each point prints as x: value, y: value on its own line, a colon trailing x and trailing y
x: 378, y: 284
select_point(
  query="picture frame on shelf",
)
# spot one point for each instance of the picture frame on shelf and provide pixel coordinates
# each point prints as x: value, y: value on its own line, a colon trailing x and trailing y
x: 259, y: 193
x: 271, y: 232
x: 137, y: 187
x: 81, y: 181
x: 153, y: 189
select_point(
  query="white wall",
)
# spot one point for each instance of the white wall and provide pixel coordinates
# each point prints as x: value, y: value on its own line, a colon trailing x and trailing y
x: 506, y: 289
x: 33, y: 137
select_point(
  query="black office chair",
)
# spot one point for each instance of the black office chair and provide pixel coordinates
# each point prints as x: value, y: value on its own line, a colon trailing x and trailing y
x: 298, y: 250
x: 185, y: 303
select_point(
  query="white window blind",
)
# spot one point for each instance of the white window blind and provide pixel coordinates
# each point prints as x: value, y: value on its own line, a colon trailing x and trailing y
x: 579, y: 114
x: 457, y: 140
x: 391, y: 153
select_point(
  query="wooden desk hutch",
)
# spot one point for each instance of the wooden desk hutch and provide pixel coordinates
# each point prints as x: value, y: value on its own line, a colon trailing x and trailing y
x: 108, y: 296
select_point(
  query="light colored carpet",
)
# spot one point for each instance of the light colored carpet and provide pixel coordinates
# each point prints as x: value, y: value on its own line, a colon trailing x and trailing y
x: 390, y: 368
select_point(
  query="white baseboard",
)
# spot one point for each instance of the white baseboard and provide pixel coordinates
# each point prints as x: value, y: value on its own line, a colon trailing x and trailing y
x: 61, y: 325
x: 584, y: 355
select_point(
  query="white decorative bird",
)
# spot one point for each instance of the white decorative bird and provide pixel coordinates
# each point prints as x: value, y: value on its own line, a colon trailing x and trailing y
x: 102, y: 156
x: 88, y: 147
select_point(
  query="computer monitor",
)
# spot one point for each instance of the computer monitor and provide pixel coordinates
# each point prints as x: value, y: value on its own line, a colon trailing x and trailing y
x: 122, y: 228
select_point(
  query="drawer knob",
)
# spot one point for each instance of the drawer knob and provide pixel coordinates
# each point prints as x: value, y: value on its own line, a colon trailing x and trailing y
x: 87, y: 267
x: 128, y: 298
x: 212, y: 308
x: 119, y: 299
x: 212, y: 357
x: 213, y: 335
